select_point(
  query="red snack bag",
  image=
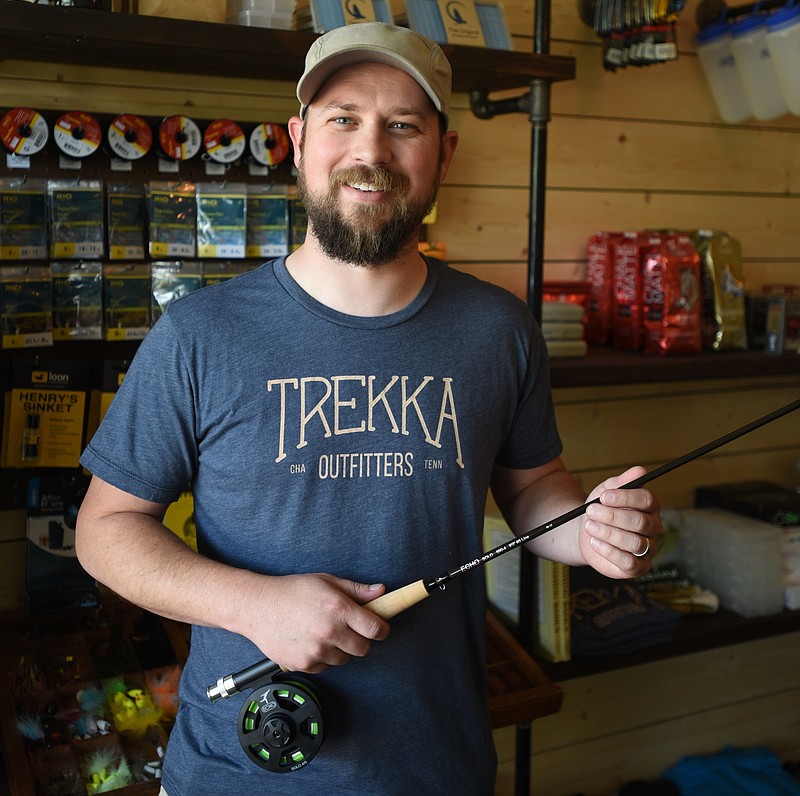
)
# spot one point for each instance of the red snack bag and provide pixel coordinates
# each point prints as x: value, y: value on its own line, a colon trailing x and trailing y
x: 600, y: 277
x: 627, y: 313
x: 672, y: 296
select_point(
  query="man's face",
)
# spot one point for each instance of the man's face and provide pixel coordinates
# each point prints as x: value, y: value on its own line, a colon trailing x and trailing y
x: 370, y: 159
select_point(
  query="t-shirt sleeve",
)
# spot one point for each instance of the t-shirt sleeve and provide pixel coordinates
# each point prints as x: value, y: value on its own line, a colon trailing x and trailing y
x: 146, y: 443
x: 533, y: 439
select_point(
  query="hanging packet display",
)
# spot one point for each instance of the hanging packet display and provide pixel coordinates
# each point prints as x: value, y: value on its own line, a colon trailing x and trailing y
x: 77, y: 301
x: 172, y: 281
x: 215, y: 272
x: 221, y: 219
x: 76, y: 219
x: 26, y: 306
x: 126, y: 215
x: 126, y: 301
x: 23, y: 219
x: 172, y: 219
x: 267, y: 221
x: 298, y: 223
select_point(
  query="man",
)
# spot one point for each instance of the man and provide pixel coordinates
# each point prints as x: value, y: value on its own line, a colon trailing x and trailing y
x: 340, y: 414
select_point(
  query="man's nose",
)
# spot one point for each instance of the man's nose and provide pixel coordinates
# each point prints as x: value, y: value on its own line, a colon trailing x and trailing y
x: 373, y: 144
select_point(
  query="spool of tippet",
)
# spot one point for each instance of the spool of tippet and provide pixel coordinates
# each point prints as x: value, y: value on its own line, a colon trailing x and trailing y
x: 179, y: 137
x: 269, y: 144
x: 129, y: 137
x: 24, y: 131
x: 77, y: 134
x: 224, y: 141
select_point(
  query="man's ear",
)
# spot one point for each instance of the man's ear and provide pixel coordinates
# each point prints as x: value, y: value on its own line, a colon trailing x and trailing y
x: 449, y: 144
x: 295, y: 125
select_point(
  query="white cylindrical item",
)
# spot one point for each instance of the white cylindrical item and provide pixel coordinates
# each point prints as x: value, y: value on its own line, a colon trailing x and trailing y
x: 749, y: 46
x: 783, y: 40
x: 719, y: 67
x: 234, y: 7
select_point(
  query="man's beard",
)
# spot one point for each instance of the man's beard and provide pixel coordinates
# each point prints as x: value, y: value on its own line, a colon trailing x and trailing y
x: 361, y: 238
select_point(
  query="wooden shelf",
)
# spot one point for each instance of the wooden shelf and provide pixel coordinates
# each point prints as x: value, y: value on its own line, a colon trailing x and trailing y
x: 83, y: 36
x: 695, y: 633
x: 604, y: 366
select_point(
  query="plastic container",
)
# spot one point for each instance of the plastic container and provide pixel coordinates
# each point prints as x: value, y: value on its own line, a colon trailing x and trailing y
x: 753, y: 60
x: 783, y: 41
x: 719, y: 66
x: 261, y: 19
x: 236, y: 7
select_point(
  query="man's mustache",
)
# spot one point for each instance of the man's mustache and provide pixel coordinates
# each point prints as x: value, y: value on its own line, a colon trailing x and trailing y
x: 379, y: 178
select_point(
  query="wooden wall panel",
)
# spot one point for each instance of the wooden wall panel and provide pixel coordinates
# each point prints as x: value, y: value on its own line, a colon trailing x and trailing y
x: 629, y: 154
x: 637, y: 722
x: 60, y: 86
x: 490, y: 223
x: 673, y: 419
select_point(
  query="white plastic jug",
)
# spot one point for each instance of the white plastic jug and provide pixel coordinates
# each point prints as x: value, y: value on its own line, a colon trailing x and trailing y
x: 783, y: 40
x: 719, y: 67
x: 753, y: 60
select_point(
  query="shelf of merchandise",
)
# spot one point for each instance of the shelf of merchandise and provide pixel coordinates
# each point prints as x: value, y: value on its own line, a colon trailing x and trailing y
x: 59, y: 34
x: 608, y: 366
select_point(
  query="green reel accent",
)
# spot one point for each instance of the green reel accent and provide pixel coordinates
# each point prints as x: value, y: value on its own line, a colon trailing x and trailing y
x: 281, y: 725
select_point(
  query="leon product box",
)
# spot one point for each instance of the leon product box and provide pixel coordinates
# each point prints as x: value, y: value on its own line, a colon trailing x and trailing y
x: 108, y: 377
x: 45, y: 414
x: 200, y: 10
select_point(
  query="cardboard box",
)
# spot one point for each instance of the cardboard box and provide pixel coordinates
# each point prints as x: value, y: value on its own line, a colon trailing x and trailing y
x: 198, y: 10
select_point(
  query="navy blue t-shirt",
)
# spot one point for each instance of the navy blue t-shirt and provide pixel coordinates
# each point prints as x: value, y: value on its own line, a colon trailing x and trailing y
x: 361, y: 446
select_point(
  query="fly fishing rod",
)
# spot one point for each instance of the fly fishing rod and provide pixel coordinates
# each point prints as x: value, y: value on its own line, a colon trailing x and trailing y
x: 280, y: 726
x: 395, y: 602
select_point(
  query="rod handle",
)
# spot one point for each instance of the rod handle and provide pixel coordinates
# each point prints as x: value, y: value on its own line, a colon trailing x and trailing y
x: 394, y: 602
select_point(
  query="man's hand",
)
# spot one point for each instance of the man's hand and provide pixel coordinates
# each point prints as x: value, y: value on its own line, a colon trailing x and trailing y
x: 619, y: 535
x: 306, y: 623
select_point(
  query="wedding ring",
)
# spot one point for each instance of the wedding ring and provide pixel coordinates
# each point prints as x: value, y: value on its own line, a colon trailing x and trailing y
x: 646, y: 548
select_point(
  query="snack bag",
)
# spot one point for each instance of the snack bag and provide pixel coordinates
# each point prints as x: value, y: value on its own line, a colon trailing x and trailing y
x: 724, y: 315
x: 671, y: 293
x: 600, y: 277
x: 627, y: 312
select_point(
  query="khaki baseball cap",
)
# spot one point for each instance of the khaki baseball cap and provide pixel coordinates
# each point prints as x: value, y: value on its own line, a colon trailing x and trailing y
x: 406, y: 49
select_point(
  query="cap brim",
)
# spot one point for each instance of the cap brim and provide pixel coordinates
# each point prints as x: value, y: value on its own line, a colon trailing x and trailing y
x: 313, y: 80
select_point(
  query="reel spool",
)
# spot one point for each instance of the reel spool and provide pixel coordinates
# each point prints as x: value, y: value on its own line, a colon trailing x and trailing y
x: 281, y: 725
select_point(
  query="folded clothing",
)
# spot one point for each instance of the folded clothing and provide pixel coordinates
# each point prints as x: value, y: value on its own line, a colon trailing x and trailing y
x: 733, y: 772
x: 611, y: 617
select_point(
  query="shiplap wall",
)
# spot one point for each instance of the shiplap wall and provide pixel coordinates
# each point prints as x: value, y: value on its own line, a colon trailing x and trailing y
x: 639, y: 148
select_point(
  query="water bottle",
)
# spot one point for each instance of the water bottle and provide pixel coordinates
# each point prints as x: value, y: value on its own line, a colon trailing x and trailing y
x: 783, y: 41
x: 753, y: 61
x: 719, y: 66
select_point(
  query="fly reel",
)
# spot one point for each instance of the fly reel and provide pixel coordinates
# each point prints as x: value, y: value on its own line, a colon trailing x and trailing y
x: 281, y: 724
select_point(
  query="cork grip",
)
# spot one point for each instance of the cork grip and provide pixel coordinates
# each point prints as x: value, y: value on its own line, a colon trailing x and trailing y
x: 397, y: 601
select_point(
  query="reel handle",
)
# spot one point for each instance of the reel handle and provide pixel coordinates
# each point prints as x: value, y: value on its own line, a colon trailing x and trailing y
x: 232, y: 684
